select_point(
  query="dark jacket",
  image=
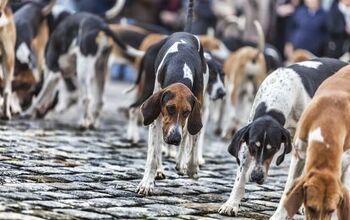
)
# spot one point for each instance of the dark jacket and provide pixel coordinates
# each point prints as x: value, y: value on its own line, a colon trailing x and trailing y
x: 338, y: 40
x: 309, y: 31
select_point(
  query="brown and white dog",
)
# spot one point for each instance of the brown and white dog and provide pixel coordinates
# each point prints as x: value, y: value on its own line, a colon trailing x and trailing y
x: 245, y: 70
x: 7, y: 50
x: 322, y: 136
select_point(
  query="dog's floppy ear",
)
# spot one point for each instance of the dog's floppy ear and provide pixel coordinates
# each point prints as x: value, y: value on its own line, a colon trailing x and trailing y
x: 287, y: 145
x: 194, y: 123
x: 294, y: 197
x: 344, y: 205
x: 151, y: 108
x: 239, y: 137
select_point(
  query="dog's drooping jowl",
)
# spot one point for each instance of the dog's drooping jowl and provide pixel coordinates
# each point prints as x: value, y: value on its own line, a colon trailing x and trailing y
x: 277, y: 107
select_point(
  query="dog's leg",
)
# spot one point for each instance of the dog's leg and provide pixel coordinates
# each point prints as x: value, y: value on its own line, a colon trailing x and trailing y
x: 193, y: 163
x: 86, y: 75
x: 346, y: 169
x: 46, y: 95
x: 8, y: 64
x: 205, y: 120
x: 295, y: 170
x: 153, y: 156
x: 231, y: 206
x: 160, y: 170
x: 181, y: 158
x: 133, y: 131
x: 218, y: 113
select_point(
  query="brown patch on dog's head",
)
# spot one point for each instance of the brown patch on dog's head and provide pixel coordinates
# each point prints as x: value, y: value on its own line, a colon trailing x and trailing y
x: 322, y: 194
x: 178, y: 106
x: 300, y: 55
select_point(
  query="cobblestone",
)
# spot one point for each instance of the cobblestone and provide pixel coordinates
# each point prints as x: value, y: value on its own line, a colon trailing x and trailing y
x: 49, y: 169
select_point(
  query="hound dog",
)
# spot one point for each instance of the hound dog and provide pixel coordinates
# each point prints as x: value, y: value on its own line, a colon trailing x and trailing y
x: 245, y: 70
x: 7, y: 50
x: 277, y: 107
x: 174, y: 110
x: 32, y: 32
x: 78, y: 51
x: 145, y: 85
x: 322, y: 135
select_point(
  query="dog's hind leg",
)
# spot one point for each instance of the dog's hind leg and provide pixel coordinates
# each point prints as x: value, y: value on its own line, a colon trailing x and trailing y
x: 86, y: 76
x: 133, y: 131
x: 205, y: 120
x: 154, y: 153
x: 295, y: 170
x: 8, y: 64
x: 231, y: 206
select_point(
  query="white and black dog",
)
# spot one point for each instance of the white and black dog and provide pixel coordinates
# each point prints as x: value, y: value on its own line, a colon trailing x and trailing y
x: 174, y: 110
x: 277, y: 107
x: 78, y: 51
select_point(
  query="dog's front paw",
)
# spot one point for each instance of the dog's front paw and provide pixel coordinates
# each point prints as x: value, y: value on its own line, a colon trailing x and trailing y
x: 201, y: 161
x: 145, y: 187
x: 160, y: 175
x: 192, y: 171
x: 229, y: 209
x: 180, y: 169
x: 86, y: 123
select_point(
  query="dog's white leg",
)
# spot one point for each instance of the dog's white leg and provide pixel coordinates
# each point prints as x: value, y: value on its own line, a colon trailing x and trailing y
x: 205, y: 120
x: 231, y: 206
x: 181, y: 158
x: 346, y: 169
x: 160, y: 170
x: 193, y: 163
x: 46, y: 95
x: 133, y: 131
x: 295, y: 170
x: 86, y: 75
x: 153, y: 156
x: 8, y: 65
x: 15, y: 104
x: 218, y: 113
x: 65, y: 98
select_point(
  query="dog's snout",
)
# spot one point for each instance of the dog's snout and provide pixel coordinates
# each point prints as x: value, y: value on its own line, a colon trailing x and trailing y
x: 174, y: 138
x: 220, y: 93
x: 257, y: 175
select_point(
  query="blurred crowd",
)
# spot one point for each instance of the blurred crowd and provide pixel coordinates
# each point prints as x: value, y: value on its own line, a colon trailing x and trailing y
x: 319, y: 26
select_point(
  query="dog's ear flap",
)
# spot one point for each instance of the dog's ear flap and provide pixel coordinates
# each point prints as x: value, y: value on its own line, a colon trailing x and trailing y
x: 151, y: 108
x: 344, y: 205
x: 286, y: 139
x: 239, y: 137
x: 194, y: 123
x: 294, y: 197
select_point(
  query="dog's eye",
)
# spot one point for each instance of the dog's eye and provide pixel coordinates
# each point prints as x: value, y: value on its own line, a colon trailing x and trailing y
x: 171, y: 110
x: 185, y: 114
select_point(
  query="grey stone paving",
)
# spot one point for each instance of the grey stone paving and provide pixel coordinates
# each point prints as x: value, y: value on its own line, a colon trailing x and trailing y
x: 51, y: 170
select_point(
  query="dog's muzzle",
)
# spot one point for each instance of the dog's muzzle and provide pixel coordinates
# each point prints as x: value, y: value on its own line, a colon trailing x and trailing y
x: 258, y: 175
x: 220, y: 93
x: 174, y: 136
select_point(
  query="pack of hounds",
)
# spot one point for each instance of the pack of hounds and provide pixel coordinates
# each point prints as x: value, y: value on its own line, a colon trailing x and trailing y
x: 53, y: 58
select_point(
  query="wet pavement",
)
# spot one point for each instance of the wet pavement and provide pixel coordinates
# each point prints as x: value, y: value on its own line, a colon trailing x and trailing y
x: 49, y: 169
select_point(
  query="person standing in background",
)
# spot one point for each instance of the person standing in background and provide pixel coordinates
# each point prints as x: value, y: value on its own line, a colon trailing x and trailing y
x: 338, y: 24
x: 308, y: 29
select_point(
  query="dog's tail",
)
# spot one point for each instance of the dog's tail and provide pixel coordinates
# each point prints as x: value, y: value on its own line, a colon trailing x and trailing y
x: 115, y: 10
x: 188, y: 26
x: 261, y: 38
x: 137, y: 81
x: 129, y: 50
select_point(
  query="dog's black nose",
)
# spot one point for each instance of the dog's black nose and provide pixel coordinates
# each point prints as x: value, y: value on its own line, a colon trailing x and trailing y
x: 220, y: 93
x: 174, y: 139
x: 257, y: 176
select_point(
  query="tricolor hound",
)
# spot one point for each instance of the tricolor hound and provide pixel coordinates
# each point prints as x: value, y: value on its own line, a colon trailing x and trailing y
x: 277, y: 107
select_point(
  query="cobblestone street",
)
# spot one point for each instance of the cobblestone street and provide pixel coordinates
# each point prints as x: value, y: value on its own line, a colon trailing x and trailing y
x: 51, y: 170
